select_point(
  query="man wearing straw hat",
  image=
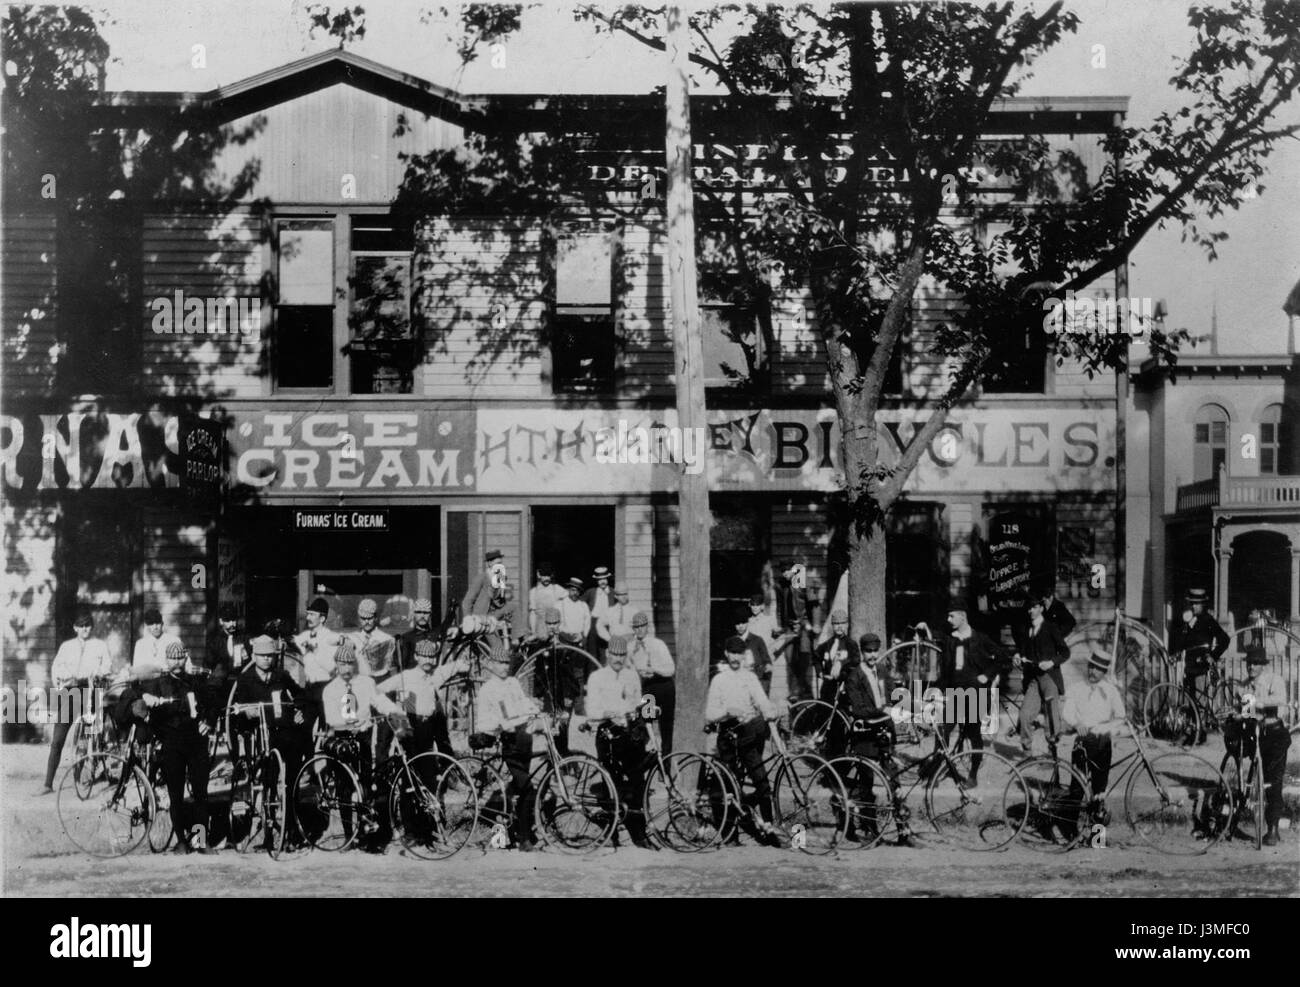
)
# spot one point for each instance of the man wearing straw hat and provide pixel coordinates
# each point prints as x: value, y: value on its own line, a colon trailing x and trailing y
x: 1094, y: 709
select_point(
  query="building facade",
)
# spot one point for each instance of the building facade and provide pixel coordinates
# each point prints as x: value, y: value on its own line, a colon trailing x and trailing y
x: 297, y: 389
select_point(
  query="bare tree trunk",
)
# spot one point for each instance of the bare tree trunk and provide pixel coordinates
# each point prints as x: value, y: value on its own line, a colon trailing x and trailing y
x: 867, y: 583
x: 693, y: 492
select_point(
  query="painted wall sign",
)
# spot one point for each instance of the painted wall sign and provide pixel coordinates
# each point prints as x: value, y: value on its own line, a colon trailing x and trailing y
x: 202, y: 444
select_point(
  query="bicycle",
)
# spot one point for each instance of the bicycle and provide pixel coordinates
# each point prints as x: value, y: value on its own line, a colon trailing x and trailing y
x: 1176, y: 714
x: 109, y: 807
x: 685, y: 799
x: 964, y: 806
x: 94, y: 736
x: 1246, y: 784
x: 1177, y: 802
x: 554, y: 672
x: 914, y: 664
x: 807, y: 797
x: 1057, y: 809
x: 259, y: 786
x: 468, y: 638
x: 429, y: 799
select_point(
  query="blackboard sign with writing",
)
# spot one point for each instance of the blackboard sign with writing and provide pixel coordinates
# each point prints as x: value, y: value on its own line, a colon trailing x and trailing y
x: 1011, y: 540
x: 202, y: 446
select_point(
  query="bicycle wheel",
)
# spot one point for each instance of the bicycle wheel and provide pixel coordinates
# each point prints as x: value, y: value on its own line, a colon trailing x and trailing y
x: 87, y: 764
x: 815, y: 725
x: 809, y: 803
x: 685, y: 803
x: 161, y: 829
x: 967, y: 804
x: 275, y: 804
x: 493, y: 819
x: 245, y: 820
x: 576, y: 808
x: 553, y: 686
x: 733, y: 808
x: 328, y: 807
x: 113, y: 815
x: 1178, y: 803
x: 870, y: 801
x: 1170, y: 714
x: 1240, y: 777
x: 433, y: 806
x: 1055, y: 816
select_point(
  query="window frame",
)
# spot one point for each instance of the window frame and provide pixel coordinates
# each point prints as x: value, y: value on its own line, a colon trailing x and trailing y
x: 1217, y: 451
x: 608, y: 384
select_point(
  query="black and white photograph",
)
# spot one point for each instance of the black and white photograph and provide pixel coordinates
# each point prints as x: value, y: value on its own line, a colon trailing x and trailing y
x: 822, y: 450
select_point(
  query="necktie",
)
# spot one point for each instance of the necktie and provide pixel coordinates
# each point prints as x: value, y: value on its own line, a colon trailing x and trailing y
x: 230, y: 646
x: 875, y: 686
x: 961, y: 655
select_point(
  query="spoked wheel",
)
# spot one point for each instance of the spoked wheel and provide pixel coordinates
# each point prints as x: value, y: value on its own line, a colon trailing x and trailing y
x: 815, y: 726
x: 870, y: 802
x: 1055, y: 816
x: 433, y: 806
x: 1248, y: 806
x: 576, y: 807
x: 734, y: 808
x: 1178, y: 803
x: 1169, y: 714
x: 110, y: 815
x: 161, y: 830
x: 245, y: 820
x: 275, y: 805
x: 494, y: 818
x: 685, y: 803
x: 564, y: 660
x: 967, y: 805
x: 810, y: 803
x: 88, y: 765
x: 327, y: 803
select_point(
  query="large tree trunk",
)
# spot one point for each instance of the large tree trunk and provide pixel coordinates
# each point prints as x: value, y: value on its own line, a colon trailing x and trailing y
x: 867, y: 581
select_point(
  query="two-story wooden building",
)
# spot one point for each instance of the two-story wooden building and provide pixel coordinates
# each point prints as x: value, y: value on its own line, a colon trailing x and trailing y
x: 311, y: 392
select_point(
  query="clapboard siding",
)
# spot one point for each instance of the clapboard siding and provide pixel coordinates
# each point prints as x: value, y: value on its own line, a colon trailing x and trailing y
x: 202, y: 256
x: 646, y: 311
x: 171, y: 546
x: 639, y: 558
x: 961, y: 522
x: 667, y: 574
x: 480, y: 294
x: 1098, y: 516
x: 30, y: 281
x: 1071, y: 380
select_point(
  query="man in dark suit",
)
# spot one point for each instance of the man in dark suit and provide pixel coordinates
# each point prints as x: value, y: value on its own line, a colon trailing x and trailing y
x: 832, y: 654
x: 796, y: 614
x: 1040, y: 653
x: 971, y: 664
x: 871, y: 735
x: 227, y: 649
x: 1056, y: 612
x: 490, y: 594
x: 1202, y: 643
x: 757, y: 647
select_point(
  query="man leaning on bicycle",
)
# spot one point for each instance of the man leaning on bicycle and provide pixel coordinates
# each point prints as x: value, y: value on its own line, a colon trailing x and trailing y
x: 1262, y: 694
x: 281, y: 702
x: 1201, y: 641
x: 348, y: 701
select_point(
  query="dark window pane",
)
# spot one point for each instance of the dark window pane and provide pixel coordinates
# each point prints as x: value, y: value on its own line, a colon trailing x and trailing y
x: 1266, y: 460
x: 304, y: 346
x: 1266, y: 432
x: 582, y: 353
x: 1217, y: 459
x: 1218, y: 432
x: 1202, y: 433
x: 382, y: 233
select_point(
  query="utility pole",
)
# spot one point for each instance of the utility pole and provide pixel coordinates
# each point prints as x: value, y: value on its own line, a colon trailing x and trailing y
x: 688, y: 355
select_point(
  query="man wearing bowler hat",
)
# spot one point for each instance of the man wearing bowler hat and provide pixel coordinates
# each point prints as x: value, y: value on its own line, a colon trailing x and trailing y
x: 1263, y: 695
x: 971, y: 661
x: 490, y: 594
x: 760, y: 659
x: 1040, y: 653
x: 1094, y: 710
x: 227, y: 650
x: 150, y: 655
x: 1200, y: 640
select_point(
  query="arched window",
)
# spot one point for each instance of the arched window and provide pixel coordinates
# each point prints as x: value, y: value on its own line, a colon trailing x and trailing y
x: 1275, y: 443
x: 1211, y: 442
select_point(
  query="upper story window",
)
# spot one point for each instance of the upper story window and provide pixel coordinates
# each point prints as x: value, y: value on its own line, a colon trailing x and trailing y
x: 1276, y: 443
x: 733, y: 346
x: 582, y: 338
x: 382, y: 346
x: 304, y: 310
x: 1210, y: 442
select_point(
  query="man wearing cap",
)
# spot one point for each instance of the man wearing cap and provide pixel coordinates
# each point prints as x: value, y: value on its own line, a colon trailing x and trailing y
x: 575, y: 616
x: 542, y: 596
x: 616, y: 621
x: 971, y: 662
x: 376, y: 649
x: 150, y: 653
x: 227, y: 651
x: 79, y: 661
x: 651, y: 660
x: 279, y: 700
x: 613, y: 695
x: 739, y: 710
x: 866, y: 698
x: 759, y: 659
x: 1200, y: 639
x: 1094, y: 709
x: 182, y: 714
x: 835, y: 652
x: 796, y: 613
x: 1263, y: 694
x: 490, y: 594
x: 503, y: 711
x: 418, y: 691
x: 1040, y: 654
x: 349, y: 699
x: 421, y: 630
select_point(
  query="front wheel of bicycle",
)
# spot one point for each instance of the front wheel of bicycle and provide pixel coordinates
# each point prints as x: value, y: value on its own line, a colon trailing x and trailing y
x: 685, y: 803
x: 1170, y: 714
x: 870, y: 801
x: 275, y: 804
x: 494, y: 819
x: 1178, y: 803
x: 161, y: 829
x: 1248, y: 808
x: 88, y: 764
x: 814, y: 724
x: 245, y: 820
x: 328, y: 806
x: 110, y: 816
x: 966, y: 800
x: 811, y: 806
x: 433, y: 806
x: 1055, y: 816
x: 576, y: 807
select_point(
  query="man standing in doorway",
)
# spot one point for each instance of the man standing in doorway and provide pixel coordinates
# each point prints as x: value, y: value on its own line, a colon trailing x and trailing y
x: 796, y: 613
x: 318, y: 646
x: 575, y: 616
x: 227, y: 648
x: 150, y: 656
x: 375, y: 647
x: 545, y: 594
x: 598, y: 599
x: 490, y: 595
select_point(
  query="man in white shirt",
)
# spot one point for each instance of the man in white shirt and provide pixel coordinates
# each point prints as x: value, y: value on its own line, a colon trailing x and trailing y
x: 613, y: 695
x: 616, y: 621
x: 419, y: 692
x: 575, y: 616
x: 1095, y: 711
x: 542, y: 596
x: 78, y: 662
x: 376, y: 648
x: 650, y: 658
x: 1263, y: 695
x: 503, y: 711
x: 150, y: 656
x: 739, y: 710
x: 348, y: 700
x: 318, y: 644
